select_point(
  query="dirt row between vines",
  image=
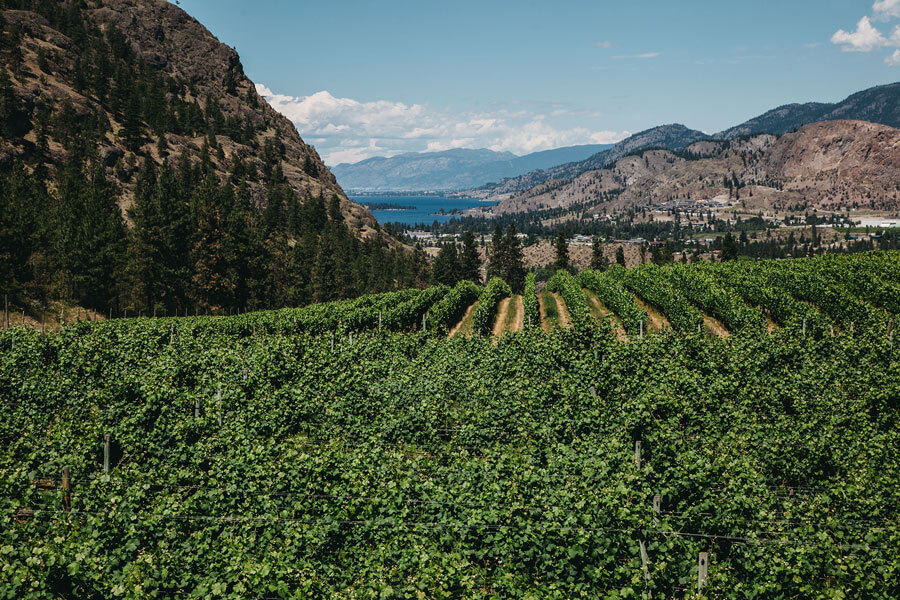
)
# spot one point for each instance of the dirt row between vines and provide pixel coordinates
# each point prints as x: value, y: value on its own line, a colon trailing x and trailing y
x: 600, y: 312
x: 502, y: 313
x: 466, y: 320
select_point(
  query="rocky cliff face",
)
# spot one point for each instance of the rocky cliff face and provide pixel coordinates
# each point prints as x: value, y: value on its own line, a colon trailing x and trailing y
x: 209, y: 101
x: 834, y: 165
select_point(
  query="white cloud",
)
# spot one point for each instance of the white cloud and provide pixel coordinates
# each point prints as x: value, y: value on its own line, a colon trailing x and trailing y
x: 865, y: 39
x: 347, y: 130
x: 893, y: 60
x: 642, y: 55
x: 604, y: 44
x: 886, y: 10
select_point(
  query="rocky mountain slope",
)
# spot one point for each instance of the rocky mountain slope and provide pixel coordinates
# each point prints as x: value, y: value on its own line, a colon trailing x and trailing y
x: 190, y: 98
x: 878, y: 105
x: 833, y: 165
x: 672, y: 137
x: 451, y: 169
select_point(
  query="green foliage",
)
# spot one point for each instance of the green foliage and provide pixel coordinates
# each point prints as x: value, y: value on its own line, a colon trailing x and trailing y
x: 568, y: 286
x: 450, y: 309
x: 724, y: 304
x: 615, y: 297
x: 530, y: 303
x: 404, y: 465
x: 495, y: 290
x: 651, y: 283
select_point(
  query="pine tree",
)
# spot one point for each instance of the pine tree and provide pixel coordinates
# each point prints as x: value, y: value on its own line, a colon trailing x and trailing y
x: 90, y: 240
x: 497, y: 254
x: 446, y: 268
x: 470, y: 260
x: 599, y: 262
x: 213, y: 290
x: 514, y: 261
x: 729, y: 248
x: 324, y: 271
x: 561, y: 245
x: 620, y: 256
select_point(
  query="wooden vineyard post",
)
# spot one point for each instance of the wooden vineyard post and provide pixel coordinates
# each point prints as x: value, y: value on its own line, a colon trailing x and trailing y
x: 171, y: 334
x: 42, y: 321
x: 645, y: 562
x: 219, y: 399
x: 641, y: 335
x: 804, y: 326
x: 245, y: 373
x: 637, y: 454
x: 657, y: 501
x: 332, y: 341
x: 593, y: 391
x: 379, y: 320
x: 197, y: 407
x: 67, y: 489
x: 423, y: 321
x: 351, y: 338
x: 106, y: 453
x: 703, y: 571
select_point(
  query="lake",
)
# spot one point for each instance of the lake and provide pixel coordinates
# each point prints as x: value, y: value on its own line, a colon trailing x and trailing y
x: 423, y: 209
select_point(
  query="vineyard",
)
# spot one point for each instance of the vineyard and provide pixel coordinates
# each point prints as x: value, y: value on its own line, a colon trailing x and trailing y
x: 747, y: 447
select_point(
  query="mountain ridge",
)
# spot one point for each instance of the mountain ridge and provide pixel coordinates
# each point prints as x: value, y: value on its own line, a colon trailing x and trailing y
x: 166, y: 39
x: 448, y: 170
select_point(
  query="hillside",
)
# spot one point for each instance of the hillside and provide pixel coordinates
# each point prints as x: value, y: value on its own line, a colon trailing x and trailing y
x: 190, y: 89
x: 834, y: 165
x: 450, y: 170
x: 672, y: 137
x: 139, y: 168
x: 879, y: 104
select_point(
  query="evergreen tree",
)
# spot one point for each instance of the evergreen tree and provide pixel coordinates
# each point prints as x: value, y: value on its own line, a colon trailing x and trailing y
x: 90, y: 241
x: 446, y: 268
x: 599, y: 262
x: 620, y: 256
x: 324, y: 271
x: 514, y: 262
x: 470, y: 259
x: 561, y: 245
x: 497, y: 254
x: 213, y: 289
x: 729, y: 248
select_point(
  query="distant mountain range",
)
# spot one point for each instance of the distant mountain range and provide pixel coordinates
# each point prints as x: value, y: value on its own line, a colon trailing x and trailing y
x: 456, y: 169
x: 829, y: 165
x: 877, y: 105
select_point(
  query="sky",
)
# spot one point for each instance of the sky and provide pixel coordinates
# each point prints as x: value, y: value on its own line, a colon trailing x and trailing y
x: 361, y: 78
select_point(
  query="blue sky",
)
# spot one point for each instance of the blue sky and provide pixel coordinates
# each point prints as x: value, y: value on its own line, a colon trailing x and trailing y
x: 364, y: 78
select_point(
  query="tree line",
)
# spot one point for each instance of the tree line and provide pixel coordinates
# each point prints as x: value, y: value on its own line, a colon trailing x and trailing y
x: 194, y: 244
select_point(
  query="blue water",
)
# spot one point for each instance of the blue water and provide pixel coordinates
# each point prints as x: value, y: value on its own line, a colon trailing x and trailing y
x: 424, y: 211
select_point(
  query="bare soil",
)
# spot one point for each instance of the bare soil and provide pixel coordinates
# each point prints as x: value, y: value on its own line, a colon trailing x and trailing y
x: 465, y: 324
x: 715, y: 326
x: 564, y: 319
x: 658, y: 321
x: 600, y: 312
x: 502, y: 311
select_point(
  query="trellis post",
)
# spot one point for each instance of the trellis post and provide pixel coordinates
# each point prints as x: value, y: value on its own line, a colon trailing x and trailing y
x: 637, y: 454
x: 703, y: 571
x: 67, y: 489
x: 106, y: 453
